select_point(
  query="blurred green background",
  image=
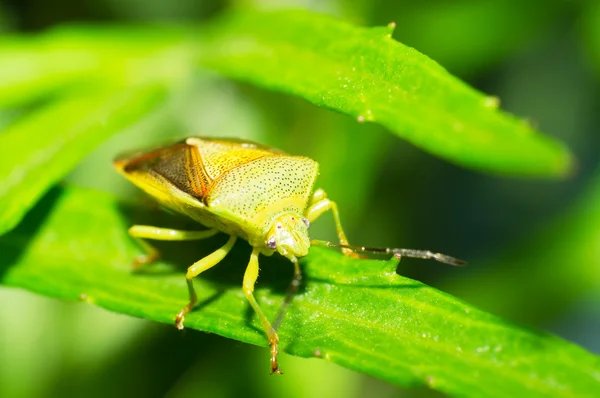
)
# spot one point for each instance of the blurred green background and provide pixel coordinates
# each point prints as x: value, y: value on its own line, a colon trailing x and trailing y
x: 533, y: 245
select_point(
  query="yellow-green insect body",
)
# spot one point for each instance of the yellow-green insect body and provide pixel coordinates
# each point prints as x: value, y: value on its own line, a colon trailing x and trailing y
x: 244, y: 190
x: 237, y: 187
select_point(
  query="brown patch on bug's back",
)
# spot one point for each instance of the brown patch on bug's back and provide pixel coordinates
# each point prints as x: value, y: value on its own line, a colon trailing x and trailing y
x: 219, y: 158
x: 178, y: 164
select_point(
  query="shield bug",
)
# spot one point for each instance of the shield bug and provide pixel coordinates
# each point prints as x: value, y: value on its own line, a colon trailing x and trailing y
x: 245, y: 190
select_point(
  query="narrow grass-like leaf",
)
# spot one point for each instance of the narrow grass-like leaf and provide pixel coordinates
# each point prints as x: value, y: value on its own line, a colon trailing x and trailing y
x: 41, y: 148
x: 38, y: 65
x: 30, y: 70
x: 364, y: 73
x: 357, y: 71
x: 357, y: 313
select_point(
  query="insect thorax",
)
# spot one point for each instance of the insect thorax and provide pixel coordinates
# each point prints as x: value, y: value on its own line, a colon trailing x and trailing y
x: 253, y: 195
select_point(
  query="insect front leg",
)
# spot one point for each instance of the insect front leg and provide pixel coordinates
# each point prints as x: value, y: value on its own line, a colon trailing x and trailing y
x: 140, y: 232
x: 196, y: 269
x: 319, y: 204
x: 248, y: 286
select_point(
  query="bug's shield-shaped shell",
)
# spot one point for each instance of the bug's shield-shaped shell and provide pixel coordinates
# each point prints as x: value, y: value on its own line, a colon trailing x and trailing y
x: 233, y: 185
x: 191, y: 165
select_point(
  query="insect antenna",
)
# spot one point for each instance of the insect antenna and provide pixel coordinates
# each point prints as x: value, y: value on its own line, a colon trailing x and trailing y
x: 398, y: 253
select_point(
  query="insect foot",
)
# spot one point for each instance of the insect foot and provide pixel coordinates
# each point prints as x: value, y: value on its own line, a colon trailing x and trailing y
x: 179, y: 320
x: 144, y: 259
x: 274, y: 352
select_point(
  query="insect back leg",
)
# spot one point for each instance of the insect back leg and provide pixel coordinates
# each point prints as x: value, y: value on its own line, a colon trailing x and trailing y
x: 196, y: 269
x: 250, y: 277
x: 140, y: 232
x: 289, y: 295
x: 319, y: 204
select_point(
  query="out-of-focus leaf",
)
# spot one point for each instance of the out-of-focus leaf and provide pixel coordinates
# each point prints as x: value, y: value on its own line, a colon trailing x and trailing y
x: 366, y: 74
x: 357, y: 313
x: 34, y: 66
x: 40, y: 149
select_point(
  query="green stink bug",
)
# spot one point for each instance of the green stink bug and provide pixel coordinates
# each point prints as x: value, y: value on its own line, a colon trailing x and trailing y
x: 244, y: 190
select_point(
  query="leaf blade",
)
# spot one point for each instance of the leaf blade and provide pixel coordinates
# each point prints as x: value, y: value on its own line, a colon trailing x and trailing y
x: 357, y: 313
x: 364, y: 73
x: 75, y: 56
x: 42, y: 148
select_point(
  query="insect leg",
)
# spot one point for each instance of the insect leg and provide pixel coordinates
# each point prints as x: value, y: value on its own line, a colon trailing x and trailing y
x: 195, y: 269
x: 291, y: 291
x: 319, y: 204
x: 248, y: 286
x: 140, y: 232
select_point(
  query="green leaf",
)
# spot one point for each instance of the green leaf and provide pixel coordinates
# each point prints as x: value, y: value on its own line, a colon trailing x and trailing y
x: 364, y: 73
x: 357, y: 71
x: 356, y: 313
x: 43, y: 147
x: 36, y: 66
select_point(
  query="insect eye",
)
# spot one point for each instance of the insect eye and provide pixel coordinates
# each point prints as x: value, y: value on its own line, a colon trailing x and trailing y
x: 271, y: 243
x: 306, y: 222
